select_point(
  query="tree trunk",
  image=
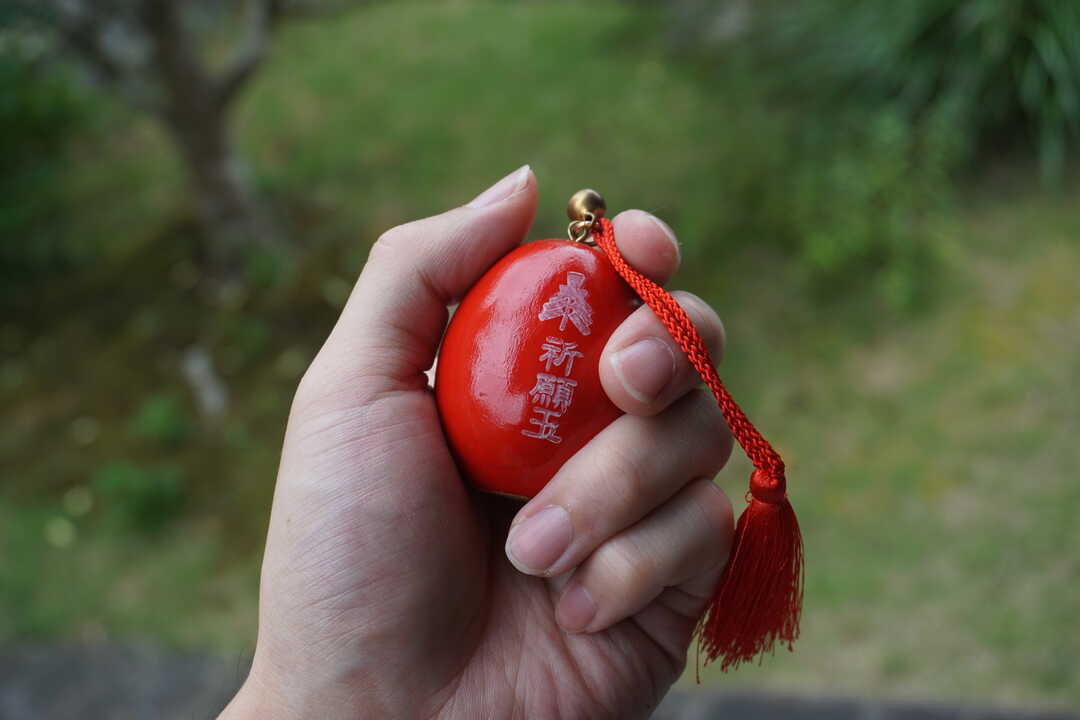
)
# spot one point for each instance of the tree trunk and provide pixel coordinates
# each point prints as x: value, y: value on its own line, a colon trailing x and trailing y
x: 230, y: 215
x: 195, y: 109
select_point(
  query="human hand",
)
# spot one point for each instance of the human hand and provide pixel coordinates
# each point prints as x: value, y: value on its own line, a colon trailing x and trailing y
x: 386, y: 589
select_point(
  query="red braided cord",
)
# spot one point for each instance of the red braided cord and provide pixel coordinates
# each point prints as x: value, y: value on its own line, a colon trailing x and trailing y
x: 682, y: 329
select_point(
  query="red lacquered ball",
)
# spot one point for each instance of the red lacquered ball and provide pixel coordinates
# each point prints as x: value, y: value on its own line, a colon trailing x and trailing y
x: 517, y: 381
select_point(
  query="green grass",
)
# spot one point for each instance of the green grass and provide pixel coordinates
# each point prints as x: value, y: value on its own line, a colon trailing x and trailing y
x: 934, y: 465
x: 404, y: 111
x: 933, y: 456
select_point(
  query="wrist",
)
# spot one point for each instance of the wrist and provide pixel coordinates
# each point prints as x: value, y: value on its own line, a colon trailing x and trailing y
x: 252, y: 701
x: 263, y: 697
x: 268, y: 694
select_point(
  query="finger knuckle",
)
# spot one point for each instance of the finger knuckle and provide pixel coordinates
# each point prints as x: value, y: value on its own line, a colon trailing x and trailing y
x: 320, y: 391
x: 626, y: 478
x: 629, y: 570
x: 716, y: 528
x: 710, y: 431
x: 701, y: 409
x: 309, y: 390
x: 706, y: 320
x: 315, y: 389
x: 714, y: 504
x: 390, y: 241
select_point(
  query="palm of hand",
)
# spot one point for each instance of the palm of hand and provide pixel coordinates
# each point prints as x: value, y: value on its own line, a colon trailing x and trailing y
x: 466, y: 629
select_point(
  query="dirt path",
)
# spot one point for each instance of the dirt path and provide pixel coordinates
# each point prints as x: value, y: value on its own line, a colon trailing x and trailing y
x: 117, y: 682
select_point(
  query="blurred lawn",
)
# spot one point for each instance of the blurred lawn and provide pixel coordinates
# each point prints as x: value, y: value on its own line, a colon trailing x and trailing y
x: 933, y: 456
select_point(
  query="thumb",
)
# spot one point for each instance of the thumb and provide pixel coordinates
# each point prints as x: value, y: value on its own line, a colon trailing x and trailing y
x: 387, y: 334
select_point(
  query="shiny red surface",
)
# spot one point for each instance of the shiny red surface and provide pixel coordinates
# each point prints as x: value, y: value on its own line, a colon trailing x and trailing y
x: 490, y: 359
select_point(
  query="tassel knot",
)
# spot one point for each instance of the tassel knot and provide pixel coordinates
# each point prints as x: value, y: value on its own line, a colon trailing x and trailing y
x: 768, y: 486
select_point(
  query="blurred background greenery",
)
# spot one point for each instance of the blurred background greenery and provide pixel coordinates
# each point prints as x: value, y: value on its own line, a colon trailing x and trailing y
x: 878, y: 198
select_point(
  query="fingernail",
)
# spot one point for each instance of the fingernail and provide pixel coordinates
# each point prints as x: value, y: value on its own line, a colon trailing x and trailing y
x: 644, y: 368
x: 502, y: 189
x: 666, y: 229
x: 576, y: 608
x: 535, y: 545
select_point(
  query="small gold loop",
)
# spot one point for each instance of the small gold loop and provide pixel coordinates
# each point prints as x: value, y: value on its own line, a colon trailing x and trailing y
x: 580, y: 231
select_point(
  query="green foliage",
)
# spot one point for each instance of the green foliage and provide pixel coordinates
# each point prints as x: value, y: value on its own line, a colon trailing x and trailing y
x: 40, y: 108
x: 838, y: 194
x: 137, y: 496
x: 162, y: 418
x: 864, y: 209
x: 264, y: 268
x: 848, y: 185
x: 849, y: 199
x: 1002, y: 65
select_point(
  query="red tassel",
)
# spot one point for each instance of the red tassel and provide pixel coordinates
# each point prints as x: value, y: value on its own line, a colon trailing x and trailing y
x: 758, y: 601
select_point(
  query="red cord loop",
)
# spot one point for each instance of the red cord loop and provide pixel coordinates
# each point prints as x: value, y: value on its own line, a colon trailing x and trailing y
x: 682, y: 329
x: 758, y: 601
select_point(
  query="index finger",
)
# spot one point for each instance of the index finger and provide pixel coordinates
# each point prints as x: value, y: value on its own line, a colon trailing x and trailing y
x: 647, y: 243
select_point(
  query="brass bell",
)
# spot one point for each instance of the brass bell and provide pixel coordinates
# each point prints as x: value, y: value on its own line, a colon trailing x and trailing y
x: 586, y: 204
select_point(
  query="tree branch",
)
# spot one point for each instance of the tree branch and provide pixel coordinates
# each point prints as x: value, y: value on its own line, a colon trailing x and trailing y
x: 260, y: 18
x: 180, y: 70
x: 83, y: 29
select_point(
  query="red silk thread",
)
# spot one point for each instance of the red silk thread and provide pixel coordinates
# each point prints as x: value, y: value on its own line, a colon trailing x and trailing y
x: 758, y: 599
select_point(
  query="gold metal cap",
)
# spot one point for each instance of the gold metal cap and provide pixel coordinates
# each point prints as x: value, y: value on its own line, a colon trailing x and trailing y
x: 586, y: 204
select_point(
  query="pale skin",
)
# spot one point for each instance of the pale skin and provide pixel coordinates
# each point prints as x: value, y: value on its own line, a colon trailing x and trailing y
x: 390, y: 589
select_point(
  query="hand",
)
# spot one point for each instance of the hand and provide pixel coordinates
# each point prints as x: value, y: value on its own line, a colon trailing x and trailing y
x: 386, y: 590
